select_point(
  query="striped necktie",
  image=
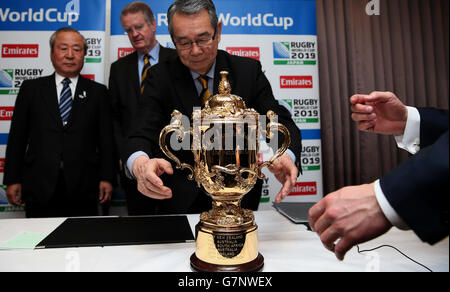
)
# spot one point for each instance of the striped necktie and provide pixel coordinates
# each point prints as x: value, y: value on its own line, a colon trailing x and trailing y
x: 144, y: 70
x: 65, y: 101
x: 205, y: 94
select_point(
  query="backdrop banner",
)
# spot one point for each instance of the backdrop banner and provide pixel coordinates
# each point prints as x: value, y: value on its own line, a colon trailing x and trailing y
x: 280, y: 34
x: 26, y: 27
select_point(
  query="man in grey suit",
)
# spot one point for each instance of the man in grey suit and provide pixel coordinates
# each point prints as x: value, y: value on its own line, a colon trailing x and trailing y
x: 125, y: 86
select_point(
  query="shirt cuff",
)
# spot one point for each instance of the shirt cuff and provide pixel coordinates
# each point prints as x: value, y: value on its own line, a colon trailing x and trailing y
x: 387, y: 209
x: 130, y: 162
x: 291, y: 154
x: 410, y: 140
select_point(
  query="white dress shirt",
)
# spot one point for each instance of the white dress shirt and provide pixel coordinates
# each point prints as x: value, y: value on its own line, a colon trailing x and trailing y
x: 59, y: 85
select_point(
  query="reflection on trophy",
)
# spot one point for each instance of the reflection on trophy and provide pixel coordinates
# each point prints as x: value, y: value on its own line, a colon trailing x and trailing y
x: 225, y: 145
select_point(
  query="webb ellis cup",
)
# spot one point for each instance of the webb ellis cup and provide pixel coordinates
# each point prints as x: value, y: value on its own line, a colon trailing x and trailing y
x: 225, y: 145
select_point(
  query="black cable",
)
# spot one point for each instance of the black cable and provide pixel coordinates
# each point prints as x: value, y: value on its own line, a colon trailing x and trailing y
x: 386, y: 245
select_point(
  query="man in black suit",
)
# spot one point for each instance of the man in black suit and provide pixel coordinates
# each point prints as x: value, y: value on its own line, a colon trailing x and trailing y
x: 125, y: 88
x: 59, y: 157
x: 176, y: 84
x: 411, y: 196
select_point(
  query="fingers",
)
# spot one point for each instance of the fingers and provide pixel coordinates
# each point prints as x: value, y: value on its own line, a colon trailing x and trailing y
x: 378, y: 96
x: 153, y: 187
x: 318, y: 214
x: 329, y: 237
x: 286, y: 173
x: 285, y: 190
x: 358, y: 98
x: 314, y: 213
x: 343, y: 246
x: 322, y: 219
x: 149, y: 182
x: 365, y: 116
x: 105, y: 195
x: 14, y: 194
x: 105, y: 192
x: 362, y: 109
x: 14, y: 200
x: 372, y: 98
x: 147, y: 172
x: 164, y: 166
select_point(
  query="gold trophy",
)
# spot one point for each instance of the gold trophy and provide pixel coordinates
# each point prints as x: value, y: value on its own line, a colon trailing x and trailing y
x: 225, y: 145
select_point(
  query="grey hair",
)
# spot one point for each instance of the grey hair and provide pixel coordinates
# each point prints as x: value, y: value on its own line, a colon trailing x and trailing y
x: 139, y: 6
x: 67, y: 29
x: 190, y: 7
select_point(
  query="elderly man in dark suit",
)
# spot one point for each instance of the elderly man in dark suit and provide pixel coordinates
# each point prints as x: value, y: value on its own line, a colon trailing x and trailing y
x: 411, y: 196
x: 59, y: 157
x: 125, y: 87
x: 181, y: 84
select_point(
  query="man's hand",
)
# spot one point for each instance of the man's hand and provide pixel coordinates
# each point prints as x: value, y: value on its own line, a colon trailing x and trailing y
x: 352, y: 215
x: 379, y: 112
x: 14, y: 194
x: 286, y: 173
x: 105, y: 191
x: 147, y: 172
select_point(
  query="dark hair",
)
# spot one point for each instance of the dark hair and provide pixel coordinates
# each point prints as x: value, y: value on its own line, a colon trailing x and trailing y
x: 67, y: 29
x: 136, y: 7
x: 190, y: 7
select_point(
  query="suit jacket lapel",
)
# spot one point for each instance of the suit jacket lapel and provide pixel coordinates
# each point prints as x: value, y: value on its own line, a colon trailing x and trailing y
x: 51, y: 98
x: 222, y: 65
x: 132, y: 74
x: 163, y: 54
x: 79, y: 99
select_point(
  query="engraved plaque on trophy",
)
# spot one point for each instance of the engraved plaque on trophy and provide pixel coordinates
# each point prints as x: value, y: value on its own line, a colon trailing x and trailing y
x: 225, y: 145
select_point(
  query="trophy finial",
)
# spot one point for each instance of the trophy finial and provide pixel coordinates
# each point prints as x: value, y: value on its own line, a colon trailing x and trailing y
x: 224, y: 86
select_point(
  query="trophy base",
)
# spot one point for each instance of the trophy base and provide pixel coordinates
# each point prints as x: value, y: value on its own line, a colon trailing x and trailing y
x: 198, y: 265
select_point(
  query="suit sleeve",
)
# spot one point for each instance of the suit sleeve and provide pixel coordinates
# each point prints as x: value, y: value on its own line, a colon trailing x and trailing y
x: 418, y: 190
x: 106, y: 138
x: 18, y: 137
x: 433, y: 123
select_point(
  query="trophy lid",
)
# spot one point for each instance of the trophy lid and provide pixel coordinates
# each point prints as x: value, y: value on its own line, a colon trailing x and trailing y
x: 224, y: 103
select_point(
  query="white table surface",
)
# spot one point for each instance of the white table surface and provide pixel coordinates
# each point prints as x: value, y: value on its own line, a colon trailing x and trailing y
x: 285, y: 246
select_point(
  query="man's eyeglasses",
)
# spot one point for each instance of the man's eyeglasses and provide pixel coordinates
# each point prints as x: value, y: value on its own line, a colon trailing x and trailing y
x: 137, y: 28
x: 202, y: 42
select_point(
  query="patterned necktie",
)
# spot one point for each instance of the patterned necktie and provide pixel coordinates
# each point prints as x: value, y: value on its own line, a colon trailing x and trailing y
x: 65, y: 102
x: 205, y: 94
x: 144, y: 70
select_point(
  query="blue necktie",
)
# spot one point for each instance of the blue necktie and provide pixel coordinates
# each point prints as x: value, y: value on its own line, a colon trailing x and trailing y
x: 65, y: 102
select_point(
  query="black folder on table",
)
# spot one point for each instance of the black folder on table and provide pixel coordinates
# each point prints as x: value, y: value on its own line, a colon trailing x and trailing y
x: 108, y: 231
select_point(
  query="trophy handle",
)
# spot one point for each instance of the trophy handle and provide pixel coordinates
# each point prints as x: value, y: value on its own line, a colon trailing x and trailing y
x: 175, y: 126
x: 270, y: 129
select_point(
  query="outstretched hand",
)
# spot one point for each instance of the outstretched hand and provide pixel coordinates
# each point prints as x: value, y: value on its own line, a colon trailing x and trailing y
x: 286, y: 173
x: 347, y: 217
x: 379, y: 112
x: 147, y: 172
